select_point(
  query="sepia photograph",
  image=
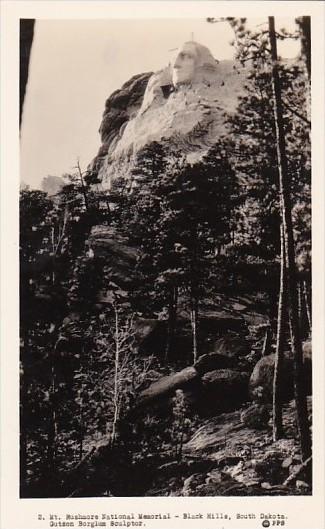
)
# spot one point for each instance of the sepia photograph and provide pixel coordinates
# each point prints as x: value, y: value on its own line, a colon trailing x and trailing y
x: 165, y: 299
x: 166, y: 283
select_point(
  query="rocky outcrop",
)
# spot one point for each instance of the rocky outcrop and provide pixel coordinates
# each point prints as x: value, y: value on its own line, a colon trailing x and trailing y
x: 120, y: 107
x: 243, y: 460
x: 105, y: 242
x: 261, y: 380
x: 224, y: 457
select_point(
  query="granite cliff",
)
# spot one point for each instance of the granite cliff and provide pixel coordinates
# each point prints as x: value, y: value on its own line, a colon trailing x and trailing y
x: 182, y: 106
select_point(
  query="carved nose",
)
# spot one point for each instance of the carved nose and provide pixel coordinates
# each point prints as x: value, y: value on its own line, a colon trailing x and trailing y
x: 177, y: 64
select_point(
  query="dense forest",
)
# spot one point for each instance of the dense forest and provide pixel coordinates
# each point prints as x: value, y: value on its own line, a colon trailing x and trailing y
x: 166, y: 323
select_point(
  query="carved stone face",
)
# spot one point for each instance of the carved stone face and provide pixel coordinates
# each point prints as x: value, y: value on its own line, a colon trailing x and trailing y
x: 185, y: 64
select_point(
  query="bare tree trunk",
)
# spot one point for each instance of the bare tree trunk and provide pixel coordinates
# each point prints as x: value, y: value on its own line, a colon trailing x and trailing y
x: 172, y: 317
x: 116, y: 377
x: 53, y: 255
x: 300, y: 316
x: 278, y: 363
x: 307, y: 305
x: 181, y: 440
x: 81, y: 426
x: 83, y: 187
x: 267, y: 342
x: 194, y: 325
x: 285, y: 201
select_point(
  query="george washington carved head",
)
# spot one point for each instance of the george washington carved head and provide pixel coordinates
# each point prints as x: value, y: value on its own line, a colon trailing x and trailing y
x: 193, y: 63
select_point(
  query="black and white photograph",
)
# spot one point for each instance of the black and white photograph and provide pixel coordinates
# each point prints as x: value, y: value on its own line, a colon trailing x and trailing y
x: 166, y: 268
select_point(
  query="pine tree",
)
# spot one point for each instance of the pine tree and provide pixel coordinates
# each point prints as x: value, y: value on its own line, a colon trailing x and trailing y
x: 285, y: 197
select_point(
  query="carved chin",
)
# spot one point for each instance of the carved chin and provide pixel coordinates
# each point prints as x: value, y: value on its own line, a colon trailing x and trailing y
x: 180, y: 77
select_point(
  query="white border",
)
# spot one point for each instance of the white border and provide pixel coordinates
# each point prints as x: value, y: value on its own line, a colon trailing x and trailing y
x: 302, y: 512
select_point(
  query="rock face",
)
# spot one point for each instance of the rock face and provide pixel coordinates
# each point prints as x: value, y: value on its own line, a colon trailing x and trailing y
x: 223, y: 390
x: 182, y: 106
x: 261, y: 380
x: 120, y: 107
x: 105, y: 242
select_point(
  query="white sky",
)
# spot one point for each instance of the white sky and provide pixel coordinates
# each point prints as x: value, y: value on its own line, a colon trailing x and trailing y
x: 76, y: 64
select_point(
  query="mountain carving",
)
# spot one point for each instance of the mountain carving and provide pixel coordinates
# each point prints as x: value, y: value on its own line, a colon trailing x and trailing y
x: 183, y: 106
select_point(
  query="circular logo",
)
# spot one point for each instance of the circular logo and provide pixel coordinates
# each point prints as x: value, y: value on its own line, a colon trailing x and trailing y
x: 266, y: 523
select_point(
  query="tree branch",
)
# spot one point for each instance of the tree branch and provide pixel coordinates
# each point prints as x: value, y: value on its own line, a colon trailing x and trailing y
x: 296, y: 113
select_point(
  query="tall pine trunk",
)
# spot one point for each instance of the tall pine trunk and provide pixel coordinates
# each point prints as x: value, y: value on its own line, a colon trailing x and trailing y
x: 307, y: 304
x: 194, y: 294
x: 267, y: 342
x: 172, y: 318
x: 300, y: 305
x: 81, y: 424
x: 194, y: 324
x: 116, y: 390
x: 280, y: 338
x: 285, y: 201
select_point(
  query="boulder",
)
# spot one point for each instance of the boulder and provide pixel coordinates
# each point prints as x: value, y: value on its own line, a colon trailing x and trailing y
x: 232, y: 345
x: 224, y: 389
x: 261, y: 380
x: 256, y: 416
x: 213, y: 361
x: 269, y: 467
x: 150, y: 336
x: 166, y: 386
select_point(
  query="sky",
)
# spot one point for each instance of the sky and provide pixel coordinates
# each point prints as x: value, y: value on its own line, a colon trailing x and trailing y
x: 76, y: 64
